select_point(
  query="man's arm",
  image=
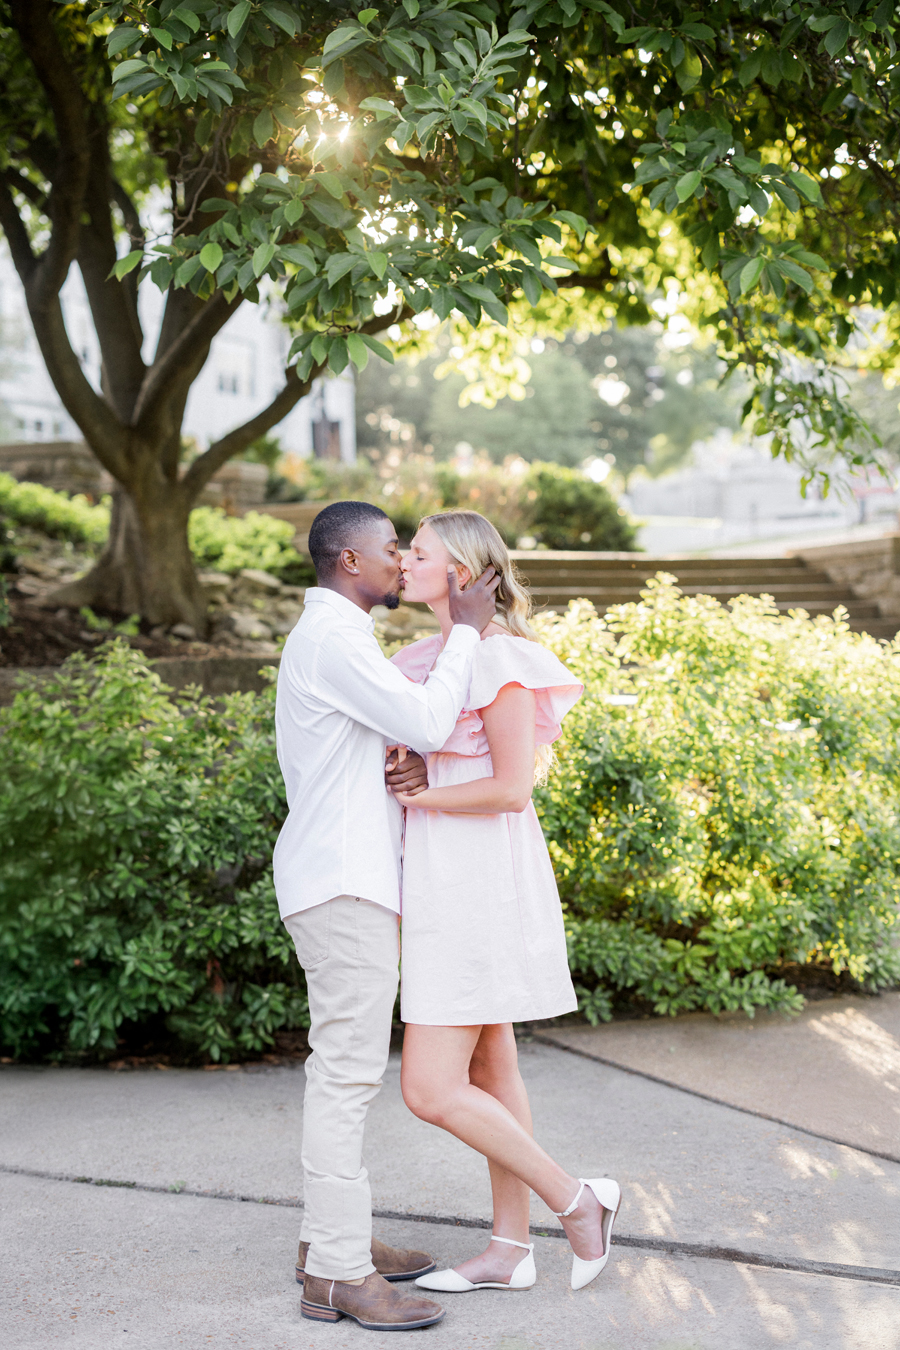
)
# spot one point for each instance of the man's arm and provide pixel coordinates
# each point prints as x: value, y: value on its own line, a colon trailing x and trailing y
x: 358, y: 679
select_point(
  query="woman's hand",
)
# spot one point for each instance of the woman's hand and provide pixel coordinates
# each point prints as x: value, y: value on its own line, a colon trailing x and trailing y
x: 418, y: 799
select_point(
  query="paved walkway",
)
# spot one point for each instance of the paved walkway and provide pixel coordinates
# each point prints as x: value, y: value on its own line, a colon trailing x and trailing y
x: 737, y: 1231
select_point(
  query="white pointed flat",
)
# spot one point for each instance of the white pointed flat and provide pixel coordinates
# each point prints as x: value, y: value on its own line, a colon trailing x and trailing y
x: 451, y: 1282
x: 610, y: 1197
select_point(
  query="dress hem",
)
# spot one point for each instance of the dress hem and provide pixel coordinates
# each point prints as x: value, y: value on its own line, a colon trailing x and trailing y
x: 489, y: 1020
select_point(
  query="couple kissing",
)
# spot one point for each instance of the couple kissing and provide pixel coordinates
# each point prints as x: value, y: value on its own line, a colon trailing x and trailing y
x: 446, y: 834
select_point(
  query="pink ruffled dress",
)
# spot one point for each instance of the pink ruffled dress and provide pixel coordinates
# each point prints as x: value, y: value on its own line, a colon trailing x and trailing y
x: 482, y: 928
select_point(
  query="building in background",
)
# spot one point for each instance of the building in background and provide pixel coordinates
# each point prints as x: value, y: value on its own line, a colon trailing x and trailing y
x: 736, y: 493
x: 243, y: 374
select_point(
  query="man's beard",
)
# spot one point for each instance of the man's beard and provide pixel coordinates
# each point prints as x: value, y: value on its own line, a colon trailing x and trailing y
x: 391, y: 601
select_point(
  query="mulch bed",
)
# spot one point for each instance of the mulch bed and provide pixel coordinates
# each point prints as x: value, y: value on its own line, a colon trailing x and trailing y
x: 41, y: 637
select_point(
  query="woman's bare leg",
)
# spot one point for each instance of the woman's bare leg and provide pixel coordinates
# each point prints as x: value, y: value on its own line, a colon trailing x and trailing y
x: 437, y: 1087
x: 494, y: 1068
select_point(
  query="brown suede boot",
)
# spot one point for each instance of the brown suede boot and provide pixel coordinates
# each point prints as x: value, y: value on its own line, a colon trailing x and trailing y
x: 374, y: 1304
x: 394, y: 1263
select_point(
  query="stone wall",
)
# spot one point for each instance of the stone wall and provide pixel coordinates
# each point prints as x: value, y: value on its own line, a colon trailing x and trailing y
x: 870, y: 566
x: 65, y: 466
x: 69, y: 466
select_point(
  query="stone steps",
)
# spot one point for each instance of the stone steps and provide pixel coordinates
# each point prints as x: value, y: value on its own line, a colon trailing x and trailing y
x: 618, y: 578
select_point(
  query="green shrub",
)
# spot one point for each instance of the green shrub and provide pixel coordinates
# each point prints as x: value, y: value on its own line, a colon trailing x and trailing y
x: 54, y: 513
x: 570, y: 511
x: 229, y: 543
x: 739, y: 819
x: 561, y: 508
x: 135, y: 880
x: 732, y: 819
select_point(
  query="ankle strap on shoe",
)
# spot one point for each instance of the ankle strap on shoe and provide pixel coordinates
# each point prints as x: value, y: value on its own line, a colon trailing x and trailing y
x: 564, y: 1214
x: 526, y: 1246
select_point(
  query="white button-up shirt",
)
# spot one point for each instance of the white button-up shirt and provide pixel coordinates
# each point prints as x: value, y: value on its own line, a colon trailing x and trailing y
x: 339, y: 703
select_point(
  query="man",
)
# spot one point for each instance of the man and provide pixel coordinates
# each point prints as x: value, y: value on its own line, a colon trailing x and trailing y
x: 337, y: 873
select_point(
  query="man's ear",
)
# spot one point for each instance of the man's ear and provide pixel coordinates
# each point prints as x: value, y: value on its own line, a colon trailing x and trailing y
x: 349, y: 561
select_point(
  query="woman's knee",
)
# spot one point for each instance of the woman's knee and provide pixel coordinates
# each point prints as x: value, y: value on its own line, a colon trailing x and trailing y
x: 425, y: 1100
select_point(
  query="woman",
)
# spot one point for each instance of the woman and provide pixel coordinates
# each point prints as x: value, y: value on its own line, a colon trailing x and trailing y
x: 483, y: 939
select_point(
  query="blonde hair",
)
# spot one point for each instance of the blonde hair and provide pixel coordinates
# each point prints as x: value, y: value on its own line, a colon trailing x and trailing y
x: 472, y: 541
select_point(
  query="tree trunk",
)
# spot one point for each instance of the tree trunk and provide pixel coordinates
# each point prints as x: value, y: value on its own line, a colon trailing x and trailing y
x: 146, y: 566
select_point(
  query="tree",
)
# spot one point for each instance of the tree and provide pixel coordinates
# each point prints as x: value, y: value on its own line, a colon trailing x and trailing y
x: 369, y: 166
x: 237, y: 113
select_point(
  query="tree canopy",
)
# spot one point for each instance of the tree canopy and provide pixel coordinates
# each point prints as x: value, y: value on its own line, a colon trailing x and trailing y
x: 571, y: 160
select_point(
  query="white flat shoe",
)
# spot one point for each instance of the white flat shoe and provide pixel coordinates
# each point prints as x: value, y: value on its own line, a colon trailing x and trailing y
x: 451, y: 1282
x: 610, y: 1197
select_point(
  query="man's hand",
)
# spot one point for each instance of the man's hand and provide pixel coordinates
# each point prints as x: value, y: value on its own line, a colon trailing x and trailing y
x: 405, y: 771
x: 474, y: 606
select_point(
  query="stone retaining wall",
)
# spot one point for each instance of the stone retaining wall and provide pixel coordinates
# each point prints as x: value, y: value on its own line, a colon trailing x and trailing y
x: 871, y: 567
x: 216, y: 675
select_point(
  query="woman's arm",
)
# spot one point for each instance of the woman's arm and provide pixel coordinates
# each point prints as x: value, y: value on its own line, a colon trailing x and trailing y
x: 509, y: 724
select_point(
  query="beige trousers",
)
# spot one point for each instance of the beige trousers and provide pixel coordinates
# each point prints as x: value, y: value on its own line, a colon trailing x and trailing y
x: 350, y: 951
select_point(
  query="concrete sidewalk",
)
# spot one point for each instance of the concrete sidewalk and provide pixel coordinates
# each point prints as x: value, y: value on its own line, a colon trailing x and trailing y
x: 710, y: 1192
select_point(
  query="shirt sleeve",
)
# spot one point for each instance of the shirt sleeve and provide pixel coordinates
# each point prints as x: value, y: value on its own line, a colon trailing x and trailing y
x: 354, y: 676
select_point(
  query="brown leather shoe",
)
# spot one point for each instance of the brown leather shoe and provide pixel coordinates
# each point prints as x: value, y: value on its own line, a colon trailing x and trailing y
x: 394, y: 1263
x: 374, y: 1304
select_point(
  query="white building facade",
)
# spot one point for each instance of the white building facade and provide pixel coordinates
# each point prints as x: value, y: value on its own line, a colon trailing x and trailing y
x: 244, y: 372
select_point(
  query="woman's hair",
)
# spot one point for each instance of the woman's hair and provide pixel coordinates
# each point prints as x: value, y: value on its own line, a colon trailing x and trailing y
x: 473, y: 541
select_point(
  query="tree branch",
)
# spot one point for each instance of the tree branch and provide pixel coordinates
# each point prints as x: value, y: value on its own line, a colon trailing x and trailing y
x: 112, y: 308
x: 177, y: 366
x: 16, y: 234
x: 203, y: 468
x: 138, y: 239
x: 37, y: 33
x: 19, y: 183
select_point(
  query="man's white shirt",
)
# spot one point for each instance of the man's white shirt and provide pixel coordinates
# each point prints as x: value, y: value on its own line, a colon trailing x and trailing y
x: 339, y: 703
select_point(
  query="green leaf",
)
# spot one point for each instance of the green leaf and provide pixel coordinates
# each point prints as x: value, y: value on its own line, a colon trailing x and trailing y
x: 282, y: 16
x: 788, y: 268
x: 810, y: 189
x: 120, y: 38
x: 750, y: 69
x: 211, y: 256
x: 127, y: 264
x: 130, y: 67
x: 299, y: 254
x: 338, y: 356
x: 359, y: 352
x: 332, y: 184
x: 787, y: 194
x: 378, y: 262
x: 378, y: 347
x: 338, y: 265
x: 687, y: 184
x: 578, y: 223
x: 759, y: 201
x: 163, y: 37
x: 378, y: 105
x: 836, y: 38
x: 811, y: 259
x: 366, y: 16
x: 262, y: 256
x: 238, y: 17
x: 185, y: 16
x: 263, y: 127
x: 688, y: 71
x: 751, y: 273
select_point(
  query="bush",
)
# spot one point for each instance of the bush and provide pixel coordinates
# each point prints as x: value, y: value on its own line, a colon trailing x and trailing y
x: 230, y: 543
x: 570, y: 511
x: 561, y: 508
x: 737, y: 816
x: 733, y: 819
x: 135, y: 881
x: 55, y: 514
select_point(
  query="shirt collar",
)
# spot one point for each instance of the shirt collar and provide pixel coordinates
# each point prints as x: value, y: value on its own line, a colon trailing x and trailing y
x: 348, y: 611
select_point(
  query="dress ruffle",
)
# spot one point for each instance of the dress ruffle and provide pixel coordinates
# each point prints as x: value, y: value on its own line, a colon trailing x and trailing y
x: 499, y: 660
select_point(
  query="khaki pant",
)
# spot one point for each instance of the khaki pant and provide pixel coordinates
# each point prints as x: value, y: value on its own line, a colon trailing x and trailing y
x: 349, y: 949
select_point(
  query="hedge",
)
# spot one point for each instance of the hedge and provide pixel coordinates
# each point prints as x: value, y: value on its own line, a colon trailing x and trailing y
x: 724, y: 816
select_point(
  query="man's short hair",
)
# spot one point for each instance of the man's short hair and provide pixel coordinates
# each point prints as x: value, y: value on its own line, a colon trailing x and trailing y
x: 337, y: 527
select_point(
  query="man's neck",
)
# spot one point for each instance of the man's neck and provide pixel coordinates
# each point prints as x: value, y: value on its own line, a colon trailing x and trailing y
x: 348, y: 592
